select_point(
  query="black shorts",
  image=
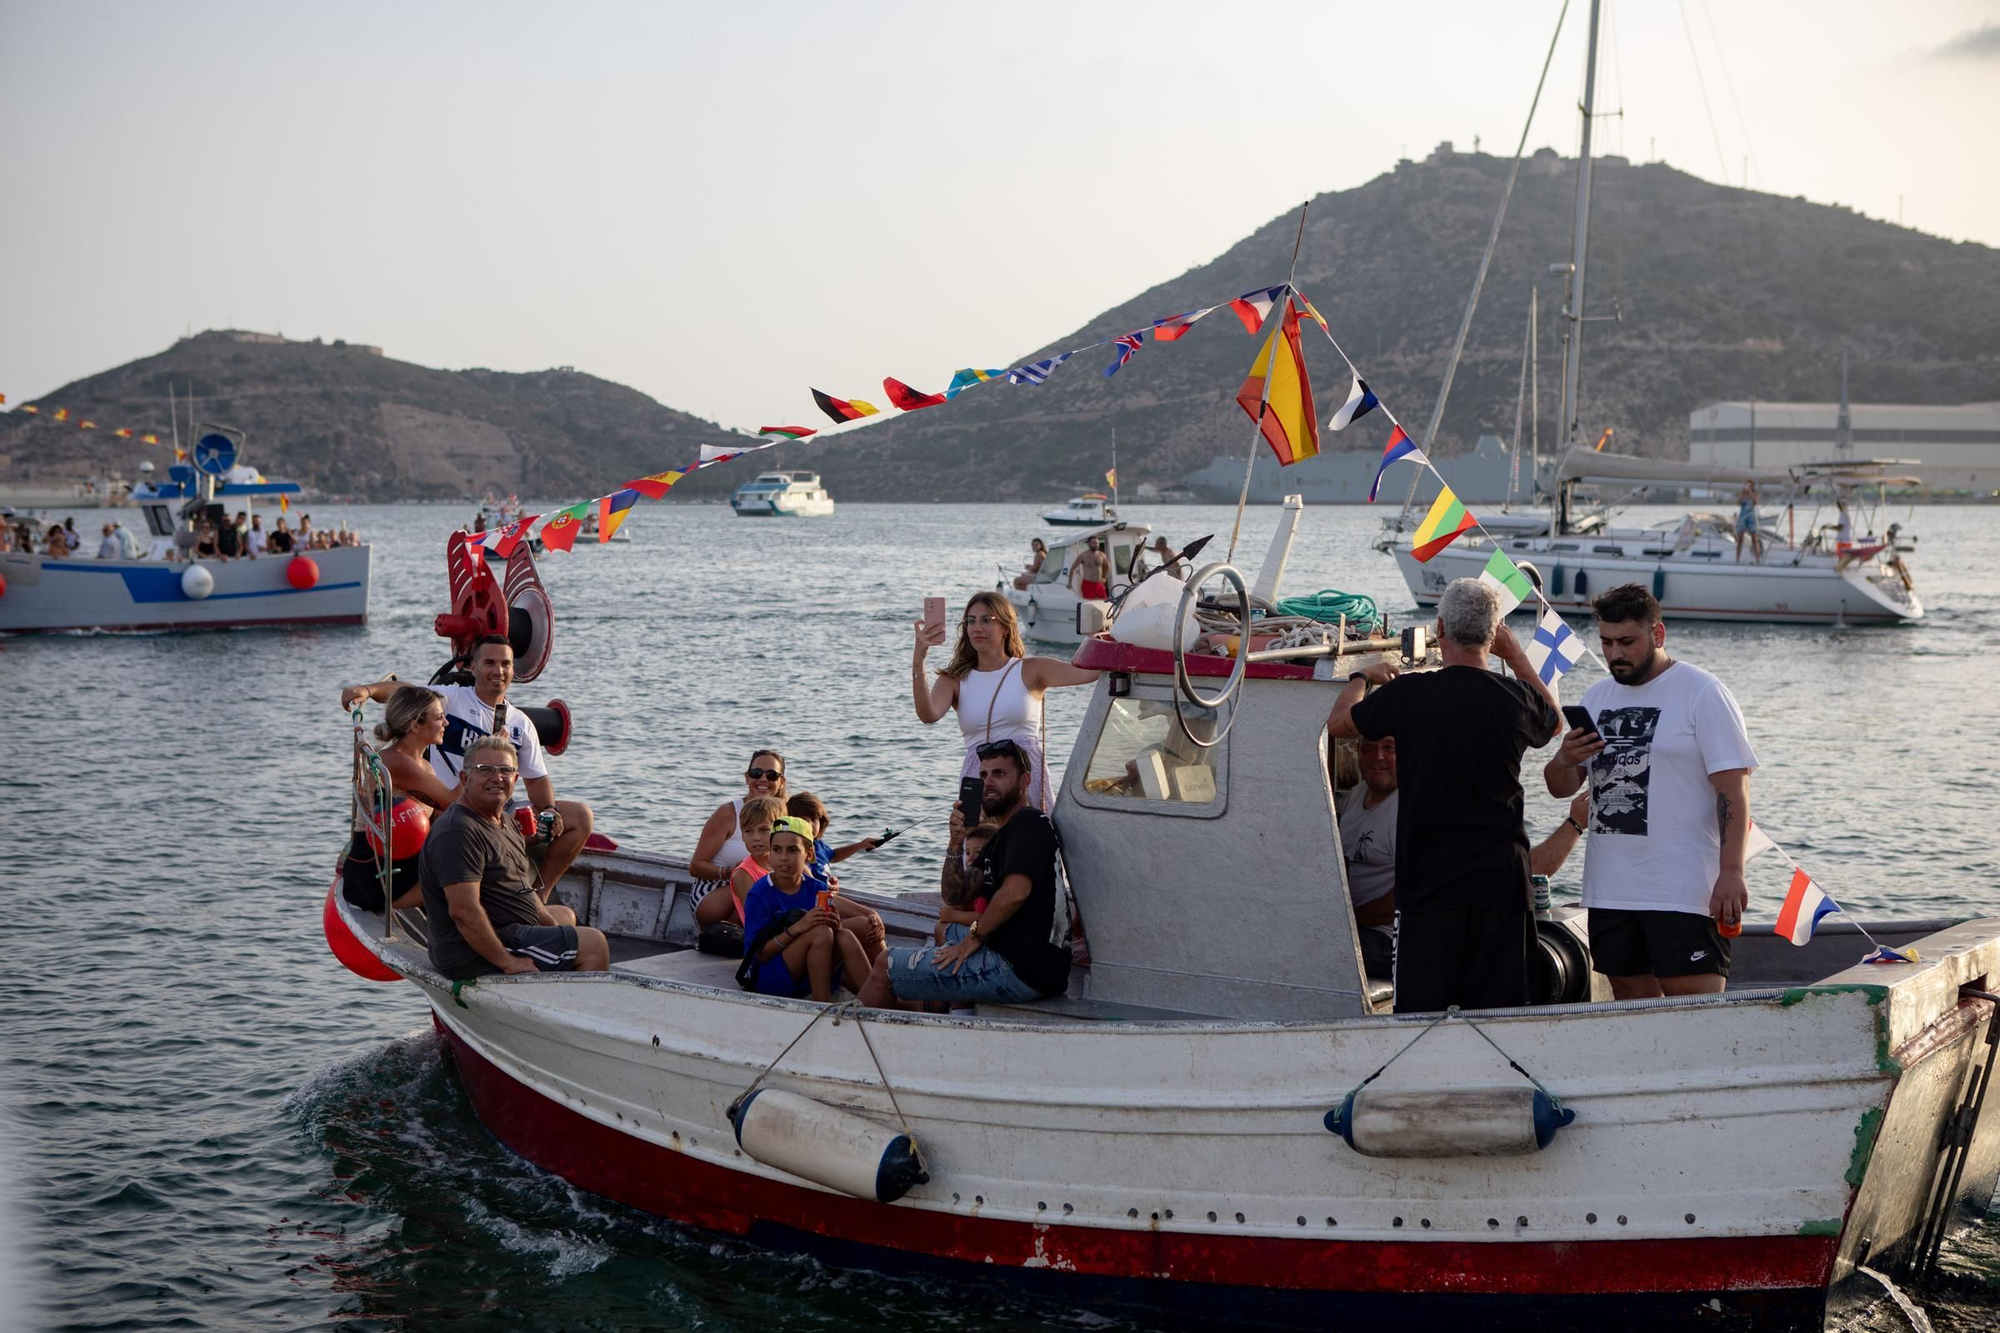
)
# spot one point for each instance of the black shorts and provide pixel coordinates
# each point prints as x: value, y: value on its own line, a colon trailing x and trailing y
x: 550, y: 948
x: 1378, y: 952
x: 1473, y: 958
x: 1626, y: 943
x: 360, y: 880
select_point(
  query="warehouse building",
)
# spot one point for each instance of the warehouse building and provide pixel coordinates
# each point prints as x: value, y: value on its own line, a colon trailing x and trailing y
x: 1951, y: 448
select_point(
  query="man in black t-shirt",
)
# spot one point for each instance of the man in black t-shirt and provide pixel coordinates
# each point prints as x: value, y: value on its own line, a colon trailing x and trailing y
x: 1465, y: 927
x: 1018, y: 949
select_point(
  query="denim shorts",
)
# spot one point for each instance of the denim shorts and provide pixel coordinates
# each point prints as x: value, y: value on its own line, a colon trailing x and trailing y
x: 985, y: 976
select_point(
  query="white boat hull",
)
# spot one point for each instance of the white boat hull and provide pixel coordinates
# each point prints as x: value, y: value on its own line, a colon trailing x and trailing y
x: 147, y: 595
x: 1052, y: 613
x: 786, y: 506
x: 1788, y: 588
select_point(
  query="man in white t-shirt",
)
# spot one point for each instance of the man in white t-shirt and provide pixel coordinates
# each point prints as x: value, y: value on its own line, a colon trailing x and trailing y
x: 255, y: 540
x: 1669, y: 769
x: 469, y: 713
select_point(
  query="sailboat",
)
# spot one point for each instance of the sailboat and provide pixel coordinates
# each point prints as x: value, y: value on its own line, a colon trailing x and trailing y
x: 1695, y: 564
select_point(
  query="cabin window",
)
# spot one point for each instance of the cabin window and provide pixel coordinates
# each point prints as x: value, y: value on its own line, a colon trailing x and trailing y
x: 158, y: 522
x: 1143, y: 760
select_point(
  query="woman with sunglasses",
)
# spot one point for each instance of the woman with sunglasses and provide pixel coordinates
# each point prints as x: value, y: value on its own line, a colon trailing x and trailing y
x: 412, y: 722
x: 995, y: 686
x: 720, y: 847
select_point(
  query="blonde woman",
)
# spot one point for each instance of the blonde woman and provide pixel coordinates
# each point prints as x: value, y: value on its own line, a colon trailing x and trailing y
x: 412, y: 722
x: 995, y: 686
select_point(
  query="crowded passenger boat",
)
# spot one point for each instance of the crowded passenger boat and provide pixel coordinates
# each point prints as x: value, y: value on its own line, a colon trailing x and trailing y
x: 1646, y: 1109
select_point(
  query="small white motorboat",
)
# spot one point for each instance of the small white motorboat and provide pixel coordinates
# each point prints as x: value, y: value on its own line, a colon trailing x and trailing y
x: 782, y: 495
x: 1050, y: 608
x: 1090, y: 509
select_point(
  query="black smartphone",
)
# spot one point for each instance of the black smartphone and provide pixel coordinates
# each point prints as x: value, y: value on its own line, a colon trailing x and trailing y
x: 971, y: 797
x: 1578, y: 717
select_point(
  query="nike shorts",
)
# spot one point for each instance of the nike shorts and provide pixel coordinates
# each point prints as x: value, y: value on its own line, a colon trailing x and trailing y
x: 1661, y: 944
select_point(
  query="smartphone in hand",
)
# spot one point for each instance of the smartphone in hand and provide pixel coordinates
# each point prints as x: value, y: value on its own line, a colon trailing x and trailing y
x: 971, y: 800
x: 1578, y: 717
x: 933, y: 616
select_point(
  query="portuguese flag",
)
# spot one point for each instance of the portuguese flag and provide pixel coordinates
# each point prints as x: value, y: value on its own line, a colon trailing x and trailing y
x: 788, y: 432
x: 1446, y: 520
x: 844, y: 409
x: 559, y: 533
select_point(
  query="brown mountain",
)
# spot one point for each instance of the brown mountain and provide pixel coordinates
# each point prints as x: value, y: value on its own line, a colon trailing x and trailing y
x: 1724, y: 293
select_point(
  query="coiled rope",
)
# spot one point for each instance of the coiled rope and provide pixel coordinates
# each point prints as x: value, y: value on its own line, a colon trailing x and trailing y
x: 1329, y: 604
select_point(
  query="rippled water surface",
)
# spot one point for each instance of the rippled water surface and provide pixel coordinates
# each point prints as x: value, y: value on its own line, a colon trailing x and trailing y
x: 209, y: 1124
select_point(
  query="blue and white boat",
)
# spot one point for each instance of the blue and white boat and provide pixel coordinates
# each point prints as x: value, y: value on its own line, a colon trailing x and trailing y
x: 782, y: 495
x: 164, y: 590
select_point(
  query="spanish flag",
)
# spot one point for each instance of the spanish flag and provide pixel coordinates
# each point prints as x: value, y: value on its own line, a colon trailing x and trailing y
x: 122, y: 433
x: 284, y: 504
x: 149, y: 439
x: 1446, y: 520
x: 62, y: 414
x: 1278, y: 394
x: 656, y: 486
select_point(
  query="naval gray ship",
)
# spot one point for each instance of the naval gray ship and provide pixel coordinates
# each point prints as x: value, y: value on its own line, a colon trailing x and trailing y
x: 1483, y: 476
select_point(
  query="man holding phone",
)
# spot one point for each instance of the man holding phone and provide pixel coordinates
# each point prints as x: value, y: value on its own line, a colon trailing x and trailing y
x: 1663, y: 746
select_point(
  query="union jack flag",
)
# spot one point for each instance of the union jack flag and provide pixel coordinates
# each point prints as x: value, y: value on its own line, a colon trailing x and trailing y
x: 1128, y: 345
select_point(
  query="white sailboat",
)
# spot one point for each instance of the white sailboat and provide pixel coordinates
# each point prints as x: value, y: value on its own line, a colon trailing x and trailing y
x: 1691, y: 563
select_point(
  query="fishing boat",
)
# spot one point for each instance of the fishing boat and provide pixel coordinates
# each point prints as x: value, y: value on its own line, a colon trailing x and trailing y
x: 782, y: 495
x: 1690, y: 562
x: 1695, y: 564
x: 1050, y: 608
x: 164, y: 592
x: 1221, y: 1118
x: 1089, y: 510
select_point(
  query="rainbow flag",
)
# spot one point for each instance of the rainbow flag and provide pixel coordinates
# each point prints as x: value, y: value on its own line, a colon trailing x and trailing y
x: 1278, y: 395
x: 1446, y: 520
x: 1805, y: 903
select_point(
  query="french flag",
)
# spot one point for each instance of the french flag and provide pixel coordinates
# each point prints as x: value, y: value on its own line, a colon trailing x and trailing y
x: 1361, y: 400
x: 1805, y: 903
x: 1400, y: 446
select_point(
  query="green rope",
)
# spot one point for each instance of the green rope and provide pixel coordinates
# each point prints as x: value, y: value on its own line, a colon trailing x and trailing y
x: 1329, y: 605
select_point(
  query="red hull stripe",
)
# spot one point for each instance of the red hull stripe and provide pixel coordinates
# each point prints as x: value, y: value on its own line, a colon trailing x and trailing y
x: 671, y: 1184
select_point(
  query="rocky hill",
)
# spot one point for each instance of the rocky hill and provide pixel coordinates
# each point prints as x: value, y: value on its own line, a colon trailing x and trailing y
x: 1724, y: 293
x: 347, y: 419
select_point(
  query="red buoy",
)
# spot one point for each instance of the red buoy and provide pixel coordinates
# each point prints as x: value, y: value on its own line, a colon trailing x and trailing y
x: 353, y: 955
x: 3, y: 585
x: 409, y: 825
x: 302, y: 572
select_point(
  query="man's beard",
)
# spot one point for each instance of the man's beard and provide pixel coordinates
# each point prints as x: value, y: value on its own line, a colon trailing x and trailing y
x: 994, y: 804
x: 1635, y: 670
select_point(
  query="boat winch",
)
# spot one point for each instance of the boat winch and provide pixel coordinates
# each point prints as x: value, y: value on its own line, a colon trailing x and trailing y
x: 1464, y: 1122
x: 826, y: 1145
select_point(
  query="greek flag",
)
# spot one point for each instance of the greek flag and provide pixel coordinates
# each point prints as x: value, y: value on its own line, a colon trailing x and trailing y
x: 1037, y: 371
x: 1555, y: 648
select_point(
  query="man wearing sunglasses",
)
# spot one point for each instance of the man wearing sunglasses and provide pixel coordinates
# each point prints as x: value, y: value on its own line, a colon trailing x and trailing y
x: 480, y: 902
x: 1018, y: 948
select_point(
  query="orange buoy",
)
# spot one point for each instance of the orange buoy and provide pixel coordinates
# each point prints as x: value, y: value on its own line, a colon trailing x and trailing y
x: 302, y: 572
x: 353, y: 955
x: 409, y: 825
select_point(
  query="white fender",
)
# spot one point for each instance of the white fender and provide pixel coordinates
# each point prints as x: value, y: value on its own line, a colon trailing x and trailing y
x: 1465, y: 1122
x: 197, y: 583
x: 838, y: 1149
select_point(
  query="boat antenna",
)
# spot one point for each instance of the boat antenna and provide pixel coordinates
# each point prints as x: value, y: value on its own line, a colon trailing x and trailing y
x: 1278, y: 313
x: 1579, y: 251
x: 1486, y: 260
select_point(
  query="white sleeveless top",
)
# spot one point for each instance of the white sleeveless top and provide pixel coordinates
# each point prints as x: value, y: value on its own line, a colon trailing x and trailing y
x: 1016, y: 713
x: 733, y: 849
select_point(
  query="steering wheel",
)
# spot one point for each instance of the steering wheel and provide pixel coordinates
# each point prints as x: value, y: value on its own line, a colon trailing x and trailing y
x: 1183, y: 685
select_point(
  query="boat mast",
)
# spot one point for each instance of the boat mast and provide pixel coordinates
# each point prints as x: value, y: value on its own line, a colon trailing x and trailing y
x: 1843, y: 425
x: 1114, y: 467
x: 1579, y: 251
x: 1534, y: 391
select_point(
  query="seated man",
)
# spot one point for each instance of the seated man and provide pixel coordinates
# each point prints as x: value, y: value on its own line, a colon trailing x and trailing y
x: 1018, y: 948
x: 480, y: 709
x: 479, y: 886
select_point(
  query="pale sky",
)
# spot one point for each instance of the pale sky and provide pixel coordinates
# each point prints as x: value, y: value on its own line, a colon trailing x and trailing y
x: 723, y: 204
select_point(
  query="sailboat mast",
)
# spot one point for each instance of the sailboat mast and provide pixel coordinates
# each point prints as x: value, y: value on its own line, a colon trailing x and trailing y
x: 1579, y: 251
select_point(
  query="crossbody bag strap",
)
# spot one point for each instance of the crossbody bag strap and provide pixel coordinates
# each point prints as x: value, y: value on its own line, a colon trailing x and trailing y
x: 992, y: 702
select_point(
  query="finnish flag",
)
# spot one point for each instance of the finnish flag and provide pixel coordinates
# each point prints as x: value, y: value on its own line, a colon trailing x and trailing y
x: 1555, y: 647
x: 1361, y: 400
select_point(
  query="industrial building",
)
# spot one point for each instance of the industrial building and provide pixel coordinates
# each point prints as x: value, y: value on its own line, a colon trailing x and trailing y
x: 1950, y: 448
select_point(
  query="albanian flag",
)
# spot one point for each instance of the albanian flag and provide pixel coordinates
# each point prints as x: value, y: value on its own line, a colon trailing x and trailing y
x: 844, y: 409
x: 908, y: 399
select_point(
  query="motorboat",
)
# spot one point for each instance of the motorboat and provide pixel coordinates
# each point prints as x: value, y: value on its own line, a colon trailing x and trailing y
x: 782, y: 495
x: 1089, y: 510
x: 1050, y: 608
x: 1221, y: 1118
x: 162, y: 591
x: 1694, y: 564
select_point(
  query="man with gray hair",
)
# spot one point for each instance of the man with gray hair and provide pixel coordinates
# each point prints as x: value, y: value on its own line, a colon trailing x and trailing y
x: 479, y: 886
x: 1465, y: 926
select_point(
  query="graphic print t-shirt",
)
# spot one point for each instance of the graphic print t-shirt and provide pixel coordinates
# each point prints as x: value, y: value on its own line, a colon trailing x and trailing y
x: 467, y: 717
x: 1368, y: 839
x: 1655, y: 845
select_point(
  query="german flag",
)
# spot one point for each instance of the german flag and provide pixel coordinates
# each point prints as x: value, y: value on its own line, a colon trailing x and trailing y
x: 844, y: 409
x: 908, y: 399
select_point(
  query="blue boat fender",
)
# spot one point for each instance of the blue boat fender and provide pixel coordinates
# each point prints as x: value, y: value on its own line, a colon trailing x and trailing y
x: 1659, y: 582
x: 1556, y: 581
x: 827, y: 1145
x: 1474, y: 1122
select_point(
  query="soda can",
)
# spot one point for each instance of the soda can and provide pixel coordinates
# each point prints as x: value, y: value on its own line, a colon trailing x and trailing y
x: 1543, y: 902
x: 545, y: 825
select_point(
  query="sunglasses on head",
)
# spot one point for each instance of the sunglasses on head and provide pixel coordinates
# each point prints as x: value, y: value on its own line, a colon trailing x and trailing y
x: 755, y: 773
x: 994, y: 749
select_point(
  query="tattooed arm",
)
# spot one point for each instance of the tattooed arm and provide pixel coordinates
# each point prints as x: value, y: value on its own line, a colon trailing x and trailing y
x: 1732, y: 821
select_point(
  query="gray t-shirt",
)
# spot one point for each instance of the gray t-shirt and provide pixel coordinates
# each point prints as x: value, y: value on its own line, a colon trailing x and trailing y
x: 464, y: 846
x: 1368, y: 838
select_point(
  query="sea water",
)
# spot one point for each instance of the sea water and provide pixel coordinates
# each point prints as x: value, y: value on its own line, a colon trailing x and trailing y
x: 208, y: 1123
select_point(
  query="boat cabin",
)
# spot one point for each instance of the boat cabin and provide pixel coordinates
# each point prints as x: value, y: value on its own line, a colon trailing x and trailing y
x: 1125, y: 543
